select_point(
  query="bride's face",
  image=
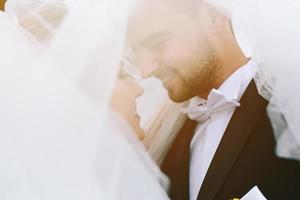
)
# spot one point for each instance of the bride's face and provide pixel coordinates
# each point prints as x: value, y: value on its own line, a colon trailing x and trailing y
x: 124, y: 102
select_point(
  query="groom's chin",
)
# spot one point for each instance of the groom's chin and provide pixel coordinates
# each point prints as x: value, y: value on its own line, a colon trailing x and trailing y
x: 178, y: 97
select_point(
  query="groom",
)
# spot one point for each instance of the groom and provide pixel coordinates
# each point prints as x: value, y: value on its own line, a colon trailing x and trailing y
x: 227, y: 146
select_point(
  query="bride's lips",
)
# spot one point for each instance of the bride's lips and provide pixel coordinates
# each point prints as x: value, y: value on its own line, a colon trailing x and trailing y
x: 137, y: 116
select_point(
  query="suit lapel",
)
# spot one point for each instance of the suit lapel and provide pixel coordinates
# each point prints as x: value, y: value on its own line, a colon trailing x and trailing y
x: 176, y: 163
x: 235, y: 136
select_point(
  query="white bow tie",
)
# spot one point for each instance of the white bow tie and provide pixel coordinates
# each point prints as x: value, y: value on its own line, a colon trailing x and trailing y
x: 201, y: 110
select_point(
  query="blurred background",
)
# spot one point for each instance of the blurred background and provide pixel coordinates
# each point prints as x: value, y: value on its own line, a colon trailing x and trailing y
x: 2, y: 4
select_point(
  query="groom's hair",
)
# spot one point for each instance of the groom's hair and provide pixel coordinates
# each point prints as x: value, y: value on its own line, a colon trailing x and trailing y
x: 192, y: 7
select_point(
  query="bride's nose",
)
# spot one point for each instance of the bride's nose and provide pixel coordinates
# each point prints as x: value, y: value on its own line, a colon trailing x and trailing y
x: 147, y: 65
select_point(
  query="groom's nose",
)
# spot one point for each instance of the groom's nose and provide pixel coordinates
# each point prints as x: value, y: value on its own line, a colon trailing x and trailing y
x: 147, y: 65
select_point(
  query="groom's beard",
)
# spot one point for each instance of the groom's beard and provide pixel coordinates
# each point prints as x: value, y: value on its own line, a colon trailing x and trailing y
x: 194, y: 79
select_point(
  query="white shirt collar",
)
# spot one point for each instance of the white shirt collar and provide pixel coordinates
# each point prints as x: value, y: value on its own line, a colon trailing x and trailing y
x: 236, y: 84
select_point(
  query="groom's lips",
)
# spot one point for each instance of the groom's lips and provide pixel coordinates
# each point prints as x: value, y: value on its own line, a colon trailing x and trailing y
x: 167, y: 80
x: 165, y: 76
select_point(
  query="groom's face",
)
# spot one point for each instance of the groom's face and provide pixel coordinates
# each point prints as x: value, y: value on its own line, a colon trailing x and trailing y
x: 173, y: 44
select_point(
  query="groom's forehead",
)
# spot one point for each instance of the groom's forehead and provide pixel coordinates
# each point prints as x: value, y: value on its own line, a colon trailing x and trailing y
x: 152, y: 17
x: 151, y: 12
x: 150, y: 20
x: 154, y: 20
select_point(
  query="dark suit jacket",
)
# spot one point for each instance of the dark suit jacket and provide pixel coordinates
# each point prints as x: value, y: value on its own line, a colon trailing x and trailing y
x: 245, y: 158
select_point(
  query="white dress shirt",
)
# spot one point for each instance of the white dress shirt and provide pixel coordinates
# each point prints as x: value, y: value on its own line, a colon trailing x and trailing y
x: 209, y: 133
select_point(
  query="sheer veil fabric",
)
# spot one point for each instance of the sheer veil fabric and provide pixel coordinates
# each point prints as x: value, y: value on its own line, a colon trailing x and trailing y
x: 58, y: 137
x: 268, y: 32
x: 162, y: 119
x: 59, y: 62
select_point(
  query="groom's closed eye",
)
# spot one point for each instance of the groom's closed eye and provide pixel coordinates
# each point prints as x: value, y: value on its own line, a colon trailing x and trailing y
x: 155, y: 40
x: 158, y: 42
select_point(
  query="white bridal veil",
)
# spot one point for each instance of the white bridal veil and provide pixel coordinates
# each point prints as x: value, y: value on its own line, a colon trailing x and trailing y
x: 59, y: 61
x: 269, y: 33
x: 58, y: 139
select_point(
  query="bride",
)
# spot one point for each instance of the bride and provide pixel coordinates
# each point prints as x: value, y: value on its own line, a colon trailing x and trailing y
x: 69, y: 127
